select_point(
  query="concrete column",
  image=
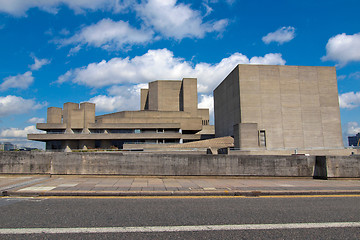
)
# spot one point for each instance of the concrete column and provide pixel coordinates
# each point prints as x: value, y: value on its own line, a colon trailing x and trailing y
x: 88, y: 144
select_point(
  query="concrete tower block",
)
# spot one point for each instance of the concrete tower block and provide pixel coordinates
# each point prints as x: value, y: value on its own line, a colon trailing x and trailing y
x: 89, y: 115
x: 153, y: 96
x: 144, y: 99
x: 164, y: 95
x: 189, y: 95
x: 67, y: 112
x: 54, y: 115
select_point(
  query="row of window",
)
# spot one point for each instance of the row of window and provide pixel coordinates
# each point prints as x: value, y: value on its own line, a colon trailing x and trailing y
x: 78, y: 131
x: 205, y: 122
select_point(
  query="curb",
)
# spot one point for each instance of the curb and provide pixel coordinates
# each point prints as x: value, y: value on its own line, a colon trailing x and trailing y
x: 176, y: 193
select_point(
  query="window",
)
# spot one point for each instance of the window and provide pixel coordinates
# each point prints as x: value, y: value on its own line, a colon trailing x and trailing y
x: 120, y: 131
x: 77, y: 131
x: 262, y: 138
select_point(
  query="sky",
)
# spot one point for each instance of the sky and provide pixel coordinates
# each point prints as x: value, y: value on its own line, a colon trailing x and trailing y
x: 105, y: 51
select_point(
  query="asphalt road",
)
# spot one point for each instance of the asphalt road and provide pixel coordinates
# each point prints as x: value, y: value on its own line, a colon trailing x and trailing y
x: 166, y: 214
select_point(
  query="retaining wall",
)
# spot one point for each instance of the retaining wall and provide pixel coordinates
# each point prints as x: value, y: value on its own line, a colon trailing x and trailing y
x: 174, y: 164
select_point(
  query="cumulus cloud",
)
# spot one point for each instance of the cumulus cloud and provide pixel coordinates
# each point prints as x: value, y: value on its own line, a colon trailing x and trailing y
x: 120, y: 98
x: 282, y: 35
x: 19, y: 133
x: 343, y: 49
x: 207, y: 101
x: 21, y: 81
x: 17, y: 105
x: 352, y: 128
x: 19, y: 137
x: 20, y: 7
x: 349, y: 100
x: 36, y: 120
x: 108, y: 34
x: 161, y: 64
x: 39, y: 63
x: 177, y: 20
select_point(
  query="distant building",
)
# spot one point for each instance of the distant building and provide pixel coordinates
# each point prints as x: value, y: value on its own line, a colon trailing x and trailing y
x: 354, y: 140
x: 279, y: 107
x: 169, y: 114
x: 9, y: 146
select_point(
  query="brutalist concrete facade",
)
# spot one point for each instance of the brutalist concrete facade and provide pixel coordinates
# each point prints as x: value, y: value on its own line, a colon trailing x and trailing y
x: 279, y: 107
x: 168, y: 115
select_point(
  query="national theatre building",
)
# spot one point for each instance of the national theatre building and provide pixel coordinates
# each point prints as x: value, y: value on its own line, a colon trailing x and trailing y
x: 169, y: 114
x: 279, y: 108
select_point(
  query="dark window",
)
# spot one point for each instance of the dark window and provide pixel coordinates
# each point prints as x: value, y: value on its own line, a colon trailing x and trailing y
x: 262, y: 138
x: 120, y: 131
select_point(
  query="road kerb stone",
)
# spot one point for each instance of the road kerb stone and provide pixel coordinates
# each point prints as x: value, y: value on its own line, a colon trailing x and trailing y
x: 249, y: 193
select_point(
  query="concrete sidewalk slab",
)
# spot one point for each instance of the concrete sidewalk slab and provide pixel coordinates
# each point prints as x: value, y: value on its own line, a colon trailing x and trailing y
x: 60, y: 185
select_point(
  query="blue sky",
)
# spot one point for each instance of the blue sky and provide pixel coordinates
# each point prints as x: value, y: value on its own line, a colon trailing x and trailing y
x: 104, y: 51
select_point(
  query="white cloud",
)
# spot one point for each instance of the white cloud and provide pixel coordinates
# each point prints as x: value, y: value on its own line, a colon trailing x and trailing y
x: 349, y: 100
x: 36, y: 120
x: 161, y: 64
x: 21, y: 81
x: 207, y: 101
x: 343, y: 49
x: 282, y: 35
x: 19, y: 133
x: 121, y: 98
x: 355, y: 75
x: 20, y: 7
x: 352, y: 128
x: 108, y: 34
x: 177, y: 20
x: 39, y: 63
x: 19, y: 137
x: 268, y: 59
x: 17, y: 105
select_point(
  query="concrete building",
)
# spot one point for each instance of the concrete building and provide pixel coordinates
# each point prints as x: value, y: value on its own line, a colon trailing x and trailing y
x: 279, y: 108
x: 168, y: 115
x: 354, y: 140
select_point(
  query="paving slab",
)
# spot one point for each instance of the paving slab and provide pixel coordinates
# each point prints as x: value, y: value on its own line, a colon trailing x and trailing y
x: 69, y: 185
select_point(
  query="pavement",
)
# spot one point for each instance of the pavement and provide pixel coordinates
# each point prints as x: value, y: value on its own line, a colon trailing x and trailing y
x: 94, y: 185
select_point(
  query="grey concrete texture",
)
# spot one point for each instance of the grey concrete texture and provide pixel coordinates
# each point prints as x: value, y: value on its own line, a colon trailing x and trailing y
x: 161, y: 164
x: 70, y: 185
x: 297, y: 106
x: 155, y: 164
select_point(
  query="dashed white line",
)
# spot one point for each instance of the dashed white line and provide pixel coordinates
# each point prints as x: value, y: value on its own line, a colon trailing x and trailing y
x: 11, y: 231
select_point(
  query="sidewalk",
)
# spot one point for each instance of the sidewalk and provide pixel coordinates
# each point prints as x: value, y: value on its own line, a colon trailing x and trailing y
x: 59, y: 185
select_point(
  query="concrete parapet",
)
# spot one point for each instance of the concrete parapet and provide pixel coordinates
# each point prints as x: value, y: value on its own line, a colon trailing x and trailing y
x: 161, y: 164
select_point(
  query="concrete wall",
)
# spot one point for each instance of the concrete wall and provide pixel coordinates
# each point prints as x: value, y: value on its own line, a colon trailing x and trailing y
x: 297, y: 106
x: 176, y: 164
x: 345, y: 167
x: 155, y: 164
x: 227, y: 105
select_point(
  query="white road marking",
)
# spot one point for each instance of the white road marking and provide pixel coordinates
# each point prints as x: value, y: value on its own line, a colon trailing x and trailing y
x: 68, y: 185
x: 178, y: 228
x: 209, y: 188
x: 37, y: 189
